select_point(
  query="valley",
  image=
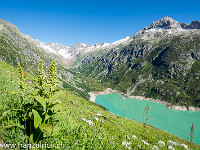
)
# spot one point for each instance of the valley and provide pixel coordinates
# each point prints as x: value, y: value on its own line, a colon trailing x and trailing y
x: 160, y: 63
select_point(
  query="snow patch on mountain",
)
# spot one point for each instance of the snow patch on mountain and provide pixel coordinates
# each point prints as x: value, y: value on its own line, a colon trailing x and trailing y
x: 121, y: 41
x: 47, y: 47
x: 63, y: 53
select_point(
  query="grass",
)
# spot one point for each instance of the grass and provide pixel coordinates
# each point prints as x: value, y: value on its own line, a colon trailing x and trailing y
x: 80, y: 124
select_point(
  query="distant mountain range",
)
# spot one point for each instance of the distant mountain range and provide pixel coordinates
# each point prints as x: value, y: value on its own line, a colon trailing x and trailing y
x: 160, y: 61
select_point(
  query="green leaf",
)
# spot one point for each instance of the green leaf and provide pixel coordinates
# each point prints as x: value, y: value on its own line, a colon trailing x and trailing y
x: 41, y: 100
x: 31, y: 141
x: 56, y: 107
x: 57, y: 94
x: 46, y: 128
x: 37, y: 118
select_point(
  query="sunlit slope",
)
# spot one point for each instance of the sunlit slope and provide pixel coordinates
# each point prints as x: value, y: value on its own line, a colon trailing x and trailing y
x: 82, y: 124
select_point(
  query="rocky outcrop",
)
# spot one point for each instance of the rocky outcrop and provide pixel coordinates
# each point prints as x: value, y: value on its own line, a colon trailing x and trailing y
x: 164, y: 23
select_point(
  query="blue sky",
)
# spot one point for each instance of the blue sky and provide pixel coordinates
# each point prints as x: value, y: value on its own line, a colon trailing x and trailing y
x: 91, y: 21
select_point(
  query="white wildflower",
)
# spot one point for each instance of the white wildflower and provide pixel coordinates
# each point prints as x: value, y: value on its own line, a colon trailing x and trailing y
x: 58, y: 101
x: 127, y: 137
x: 1, y: 145
x: 170, y: 147
x: 185, y: 146
x: 145, y: 142
x: 161, y: 143
x: 155, y: 147
x: 88, y: 121
x: 126, y: 144
x: 140, y: 146
x: 98, y: 114
x: 135, y: 137
x: 96, y: 118
x: 171, y: 142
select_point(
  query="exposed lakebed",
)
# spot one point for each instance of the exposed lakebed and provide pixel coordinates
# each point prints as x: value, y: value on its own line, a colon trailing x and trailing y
x: 174, y: 121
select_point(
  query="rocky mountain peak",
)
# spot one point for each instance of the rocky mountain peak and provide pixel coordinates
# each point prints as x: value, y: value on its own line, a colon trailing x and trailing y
x: 195, y: 24
x: 164, y: 23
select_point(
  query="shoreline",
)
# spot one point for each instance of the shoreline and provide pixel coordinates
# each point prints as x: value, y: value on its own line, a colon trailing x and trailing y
x: 93, y: 96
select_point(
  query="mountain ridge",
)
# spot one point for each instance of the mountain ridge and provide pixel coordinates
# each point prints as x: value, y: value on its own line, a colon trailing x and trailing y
x: 161, y: 63
x: 169, y: 23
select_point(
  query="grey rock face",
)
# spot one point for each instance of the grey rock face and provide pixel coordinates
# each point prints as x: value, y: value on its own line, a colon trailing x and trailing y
x: 195, y: 25
x: 164, y: 23
x: 169, y: 23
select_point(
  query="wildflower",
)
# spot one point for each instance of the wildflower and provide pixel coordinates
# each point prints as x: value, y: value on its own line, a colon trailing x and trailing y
x: 171, y: 142
x: 127, y: 137
x: 161, y: 143
x: 145, y: 143
x: 185, y: 146
x: 58, y: 101
x: 88, y: 121
x: 135, y: 137
x: 140, y: 146
x: 126, y: 144
x: 96, y: 118
x: 155, y: 147
x: 98, y: 114
x: 170, y: 147
x: 192, y: 132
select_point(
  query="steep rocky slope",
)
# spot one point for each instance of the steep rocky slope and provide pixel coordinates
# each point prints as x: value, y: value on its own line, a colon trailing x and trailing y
x: 16, y: 47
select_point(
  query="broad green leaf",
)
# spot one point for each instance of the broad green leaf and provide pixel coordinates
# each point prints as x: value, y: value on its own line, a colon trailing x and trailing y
x: 56, y: 107
x: 52, y: 105
x: 57, y: 94
x: 46, y: 128
x: 31, y: 141
x: 41, y: 100
x: 56, y: 130
x: 37, y: 118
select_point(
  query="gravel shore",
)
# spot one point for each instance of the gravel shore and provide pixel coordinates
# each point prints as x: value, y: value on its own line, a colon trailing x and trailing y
x: 93, y: 96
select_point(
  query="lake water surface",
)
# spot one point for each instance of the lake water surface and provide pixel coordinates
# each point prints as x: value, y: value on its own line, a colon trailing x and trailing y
x: 174, y: 121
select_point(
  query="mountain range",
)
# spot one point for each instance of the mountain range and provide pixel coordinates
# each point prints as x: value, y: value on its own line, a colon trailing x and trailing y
x: 161, y: 61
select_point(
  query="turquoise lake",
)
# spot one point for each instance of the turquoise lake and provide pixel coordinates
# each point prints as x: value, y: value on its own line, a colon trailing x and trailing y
x: 174, y: 121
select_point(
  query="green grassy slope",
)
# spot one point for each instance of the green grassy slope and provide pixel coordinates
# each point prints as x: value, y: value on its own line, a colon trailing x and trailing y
x: 81, y: 124
x: 16, y: 48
